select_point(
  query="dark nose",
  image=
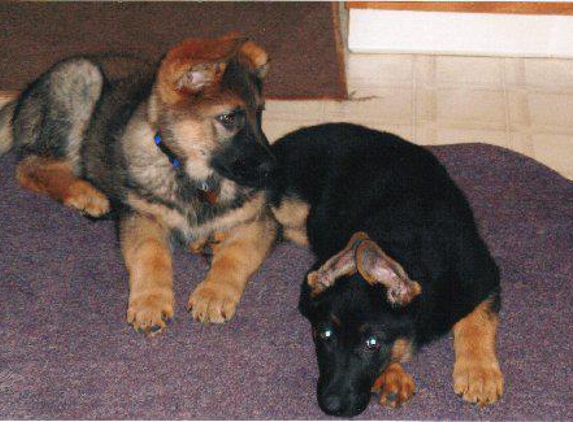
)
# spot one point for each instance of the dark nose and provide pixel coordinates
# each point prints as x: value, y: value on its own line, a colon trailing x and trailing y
x: 332, y: 405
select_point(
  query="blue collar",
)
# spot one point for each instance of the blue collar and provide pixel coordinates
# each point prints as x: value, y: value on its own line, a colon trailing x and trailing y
x: 159, y: 142
x: 205, y: 193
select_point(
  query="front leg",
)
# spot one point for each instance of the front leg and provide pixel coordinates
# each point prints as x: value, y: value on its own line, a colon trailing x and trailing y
x: 235, y: 259
x: 147, y: 256
x: 477, y: 376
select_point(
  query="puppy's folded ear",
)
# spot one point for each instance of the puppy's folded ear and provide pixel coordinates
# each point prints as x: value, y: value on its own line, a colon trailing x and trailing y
x: 378, y: 268
x: 343, y: 263
x: 195, y: 64
x: 199, y: 76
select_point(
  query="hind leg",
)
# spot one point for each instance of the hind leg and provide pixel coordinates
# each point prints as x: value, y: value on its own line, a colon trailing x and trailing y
x: 56, y: 179
x: 49, y: 125
x: 477, y: 376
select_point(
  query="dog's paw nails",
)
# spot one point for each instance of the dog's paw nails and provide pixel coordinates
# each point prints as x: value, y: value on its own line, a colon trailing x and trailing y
x: 150, y: 313
x: 478, y: 382
x: 212, y: 303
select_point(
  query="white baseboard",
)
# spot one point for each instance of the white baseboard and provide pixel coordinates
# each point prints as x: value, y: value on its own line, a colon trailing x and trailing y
x: 383, y: 31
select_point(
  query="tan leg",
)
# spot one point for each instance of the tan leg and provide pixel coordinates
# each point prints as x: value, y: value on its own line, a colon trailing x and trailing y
x: 396, y: 386
x: 477, y: 376
x: 56, y: 179
x: 145, y: 248
x: 292, y: 214
x: 235, y: 260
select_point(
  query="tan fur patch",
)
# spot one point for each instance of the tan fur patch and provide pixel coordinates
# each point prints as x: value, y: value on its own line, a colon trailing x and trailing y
x: 296, y: 236
x: 252, y: 210
x: 197, y: 140
x: 258, y: 58
x: 57, y: 179
x: 292, y: 214
x: 477, y: 375
x: 402, y: 350
x: 395, y: 385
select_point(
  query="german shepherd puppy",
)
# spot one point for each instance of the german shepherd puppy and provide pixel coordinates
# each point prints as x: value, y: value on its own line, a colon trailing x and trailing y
x: 177, y: 151
x: 399, y: 262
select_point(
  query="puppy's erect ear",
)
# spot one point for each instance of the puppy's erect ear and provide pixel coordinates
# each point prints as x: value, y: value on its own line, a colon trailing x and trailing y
x: 343, y: 263
x: 374, y: 265
x: 258, y: 59
x: 378, y: 268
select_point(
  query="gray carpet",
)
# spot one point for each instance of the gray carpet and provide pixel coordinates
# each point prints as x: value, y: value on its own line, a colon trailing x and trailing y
x: 66, y: 352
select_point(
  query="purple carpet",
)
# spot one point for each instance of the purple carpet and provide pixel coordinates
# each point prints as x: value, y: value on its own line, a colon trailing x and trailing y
x: 66, y: 351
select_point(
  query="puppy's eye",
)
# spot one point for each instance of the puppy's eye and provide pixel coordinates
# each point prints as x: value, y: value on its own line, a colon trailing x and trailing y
x: 228, y: 120
x: 231, y: 120
x: 326, y: 333
x: 372, y: 343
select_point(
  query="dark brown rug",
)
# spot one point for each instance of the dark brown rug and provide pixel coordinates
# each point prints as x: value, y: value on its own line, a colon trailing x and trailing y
x: 302, y: 38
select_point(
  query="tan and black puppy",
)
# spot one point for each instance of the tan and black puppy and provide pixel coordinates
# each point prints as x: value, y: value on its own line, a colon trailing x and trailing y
x: 176, y: 150
x: 399, y: 262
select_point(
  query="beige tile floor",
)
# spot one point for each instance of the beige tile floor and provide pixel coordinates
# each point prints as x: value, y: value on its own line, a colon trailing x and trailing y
x: 522, y: 104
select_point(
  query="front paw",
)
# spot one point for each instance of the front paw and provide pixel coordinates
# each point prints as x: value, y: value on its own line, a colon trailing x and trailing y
x: 150, y: 312
x: 212, y: 302
x: 396, y: 386
x: 478, y: 381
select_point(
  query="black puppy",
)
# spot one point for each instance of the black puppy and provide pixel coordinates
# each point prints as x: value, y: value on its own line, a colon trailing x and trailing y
x: 413, y: 268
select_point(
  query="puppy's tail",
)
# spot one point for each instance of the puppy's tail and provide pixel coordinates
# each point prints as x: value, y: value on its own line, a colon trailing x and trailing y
x: 6, y: 132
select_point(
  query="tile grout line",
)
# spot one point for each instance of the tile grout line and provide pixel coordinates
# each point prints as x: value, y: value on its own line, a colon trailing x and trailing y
x: 433, y: 101
x: 502, y: 64
x: 530, y: 149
